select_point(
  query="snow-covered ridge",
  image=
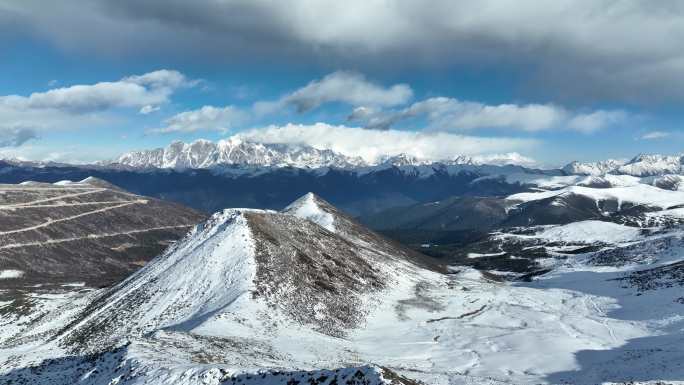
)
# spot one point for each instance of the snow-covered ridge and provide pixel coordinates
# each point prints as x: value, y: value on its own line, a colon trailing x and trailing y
x: 174, y: 288
x: 249, y: 262
x: 641, y: 165
x: 593, y: 168
x: 640, y: 194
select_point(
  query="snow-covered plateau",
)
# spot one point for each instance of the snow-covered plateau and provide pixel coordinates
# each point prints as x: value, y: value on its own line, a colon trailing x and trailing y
x: 307, y: 295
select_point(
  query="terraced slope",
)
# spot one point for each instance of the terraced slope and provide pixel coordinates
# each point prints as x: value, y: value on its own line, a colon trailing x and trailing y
x: 88, y: 233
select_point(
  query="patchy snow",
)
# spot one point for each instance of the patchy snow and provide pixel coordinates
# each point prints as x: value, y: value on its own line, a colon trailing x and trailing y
x: 677, y: 213
x: 7, y: 274
x: 74, y: 284
x: 637, y: 194
x: 609, y: 180
x: 540, y: 180
x: 590, y: 232
x: 478, y: 255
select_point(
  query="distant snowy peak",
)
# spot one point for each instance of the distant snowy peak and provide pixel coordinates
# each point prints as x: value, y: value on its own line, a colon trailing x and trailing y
x: 593, y: 168
x: 512, y: 158
x: 403, y: 159
x: 207, y: 154
x: 641, y: 166
x: 649, y: 165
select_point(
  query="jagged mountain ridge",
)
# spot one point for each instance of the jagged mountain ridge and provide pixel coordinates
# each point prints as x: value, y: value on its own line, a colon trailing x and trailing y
x: 643, y: 165
x: 206, y: 154
x: 235, y: 156
x: 234, y: 152
x: 203, y: 154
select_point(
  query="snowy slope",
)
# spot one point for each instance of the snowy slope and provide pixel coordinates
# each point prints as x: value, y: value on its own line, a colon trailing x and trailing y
x: 647, y: 165
x: 261, y: 297
x: 248, y: 263
x: 127, y: 366
x: 640, y: 194
x: 172, y: 290
x: 590, y: 232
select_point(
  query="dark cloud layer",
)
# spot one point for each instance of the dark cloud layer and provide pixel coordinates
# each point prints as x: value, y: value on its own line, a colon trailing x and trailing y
x: 599, y: 50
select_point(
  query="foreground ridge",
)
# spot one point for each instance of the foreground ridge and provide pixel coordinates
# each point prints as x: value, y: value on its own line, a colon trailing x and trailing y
x: 264, y: 297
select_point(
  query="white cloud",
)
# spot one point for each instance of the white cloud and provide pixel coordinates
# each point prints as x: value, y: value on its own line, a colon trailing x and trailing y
x: 597, y: 120
x: 362, y: 113
x: 653, y: 135
x: 341, y: 86
x: 506, y: 158
x: 373, y: 144
x: 151, y: 89
x: 88, y: 98
x: 449, y: 114
x: 161, y: 79
x: 148, y: 109
x: 207, y: 118
x: 79, y: 106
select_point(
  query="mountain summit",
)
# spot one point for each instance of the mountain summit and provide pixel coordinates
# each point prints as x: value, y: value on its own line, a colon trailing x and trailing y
x: 309, y: 266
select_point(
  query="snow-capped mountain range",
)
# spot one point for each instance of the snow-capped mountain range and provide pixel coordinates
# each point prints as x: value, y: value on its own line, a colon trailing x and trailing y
x: 204, y: 154
x: 207, y: 154
x: 234, y: 152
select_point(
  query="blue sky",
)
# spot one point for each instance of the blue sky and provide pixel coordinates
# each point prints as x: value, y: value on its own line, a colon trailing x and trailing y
x: 569, y: 81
